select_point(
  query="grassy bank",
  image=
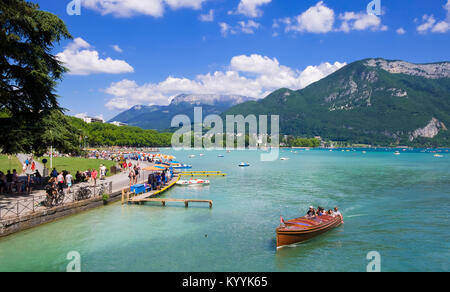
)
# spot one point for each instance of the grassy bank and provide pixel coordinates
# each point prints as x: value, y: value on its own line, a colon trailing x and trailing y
x: 78, y: 164
x: 6, y: 164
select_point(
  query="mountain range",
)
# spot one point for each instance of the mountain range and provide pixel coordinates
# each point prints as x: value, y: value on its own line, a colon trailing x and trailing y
x: 159, y: 117
x: 371, y: 101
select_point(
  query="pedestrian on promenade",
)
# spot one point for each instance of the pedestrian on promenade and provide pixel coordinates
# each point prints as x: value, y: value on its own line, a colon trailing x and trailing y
x: 60, y: 180
x: 102, y: 172
x: 94, y: 176
x: 54, y: 173
x: 69, y: 179
x: 131, y: 175
x: 2, y: 182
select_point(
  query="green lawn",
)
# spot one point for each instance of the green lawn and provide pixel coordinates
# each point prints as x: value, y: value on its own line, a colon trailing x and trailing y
x: 5, y: 164
x: 74, y: 164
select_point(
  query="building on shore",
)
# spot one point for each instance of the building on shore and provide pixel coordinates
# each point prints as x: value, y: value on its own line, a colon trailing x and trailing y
x: 90, y: 120
x: 118, y: 124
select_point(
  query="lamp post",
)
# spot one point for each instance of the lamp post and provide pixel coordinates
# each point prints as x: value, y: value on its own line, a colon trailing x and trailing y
x: 51, y: 150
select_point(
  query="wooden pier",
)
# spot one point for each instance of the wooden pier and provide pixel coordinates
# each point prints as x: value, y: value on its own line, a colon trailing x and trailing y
x: 129, y: 197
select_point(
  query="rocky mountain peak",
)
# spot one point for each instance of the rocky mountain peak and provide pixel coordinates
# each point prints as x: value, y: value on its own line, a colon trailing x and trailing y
x: 430, y: 71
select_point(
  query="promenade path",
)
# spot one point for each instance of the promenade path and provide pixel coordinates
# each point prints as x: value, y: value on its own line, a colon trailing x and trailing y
x: 15, y: 201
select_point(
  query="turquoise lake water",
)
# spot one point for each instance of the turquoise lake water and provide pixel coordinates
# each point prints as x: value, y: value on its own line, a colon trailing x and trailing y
x: 395, y: 205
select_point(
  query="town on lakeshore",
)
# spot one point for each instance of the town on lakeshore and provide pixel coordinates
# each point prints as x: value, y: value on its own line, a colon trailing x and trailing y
x: 254, y: 137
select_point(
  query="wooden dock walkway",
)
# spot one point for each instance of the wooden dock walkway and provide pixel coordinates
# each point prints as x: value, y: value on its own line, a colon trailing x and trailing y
x: 129, y: 197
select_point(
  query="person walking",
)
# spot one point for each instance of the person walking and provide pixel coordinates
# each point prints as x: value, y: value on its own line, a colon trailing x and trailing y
x: 94, y: 176
x: 69, y: 180
x: 131, y: 175
x: 60, y: 180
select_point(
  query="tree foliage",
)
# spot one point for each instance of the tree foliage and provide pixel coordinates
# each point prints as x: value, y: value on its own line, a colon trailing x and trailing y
x: 29, y: 73
x: 110, y: 135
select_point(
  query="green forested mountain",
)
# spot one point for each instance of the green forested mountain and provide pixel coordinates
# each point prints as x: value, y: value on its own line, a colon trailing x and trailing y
x: 373, y: 101
x: 111, y: 135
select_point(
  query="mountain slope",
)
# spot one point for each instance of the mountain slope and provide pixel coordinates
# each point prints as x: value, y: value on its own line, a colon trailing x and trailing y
x: 160, y: 117
x: 373, y: 101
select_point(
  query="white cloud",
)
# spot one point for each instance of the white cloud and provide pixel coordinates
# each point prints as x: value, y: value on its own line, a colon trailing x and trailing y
x: 317, y: 19
x: 81, y: 59
x: 360, y: 21
x: 224, y: 28
x: 117, y: 49
x: 175, y: 4
x: 251, y: 8
x: 247, y: 27
x: 253, y: 76
x: 209, y: 17
x: 129, y: 8
x: 429, y: 23
x: 401, y: 31
x: 322, y: 19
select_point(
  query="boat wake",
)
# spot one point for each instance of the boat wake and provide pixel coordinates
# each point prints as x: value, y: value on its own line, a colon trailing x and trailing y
x: 358, y: 215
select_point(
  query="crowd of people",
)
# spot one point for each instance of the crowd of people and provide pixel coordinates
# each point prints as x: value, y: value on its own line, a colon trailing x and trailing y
x: 13, y: 183
x: 319, y: 212
x: 158, y: 180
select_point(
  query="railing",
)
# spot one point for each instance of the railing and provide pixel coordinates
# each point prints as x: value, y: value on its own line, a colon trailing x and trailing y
x: 34, y: 204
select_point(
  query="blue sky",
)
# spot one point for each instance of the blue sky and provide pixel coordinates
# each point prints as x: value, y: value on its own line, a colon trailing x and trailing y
x: 128, y: 52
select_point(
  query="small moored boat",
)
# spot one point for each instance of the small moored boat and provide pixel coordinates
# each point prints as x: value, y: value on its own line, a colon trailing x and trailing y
x: 244, y: 164
x: 193, y: 182
x: 302, y: 229
x: 181, y: 166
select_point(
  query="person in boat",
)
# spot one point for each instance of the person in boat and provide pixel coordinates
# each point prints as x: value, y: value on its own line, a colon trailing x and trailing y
x: 337, y: 213
x: 320, y: 211
x: 330, y: 212
x: 311, y: 212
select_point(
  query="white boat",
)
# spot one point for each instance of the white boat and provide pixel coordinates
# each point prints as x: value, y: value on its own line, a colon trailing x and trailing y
x: 193, y: 182
x: 220, y: 156
x: 284, y: 158
x: 438, y: 155
x: 191, y: 156
x: 244, y: 164
x: 397, y: 153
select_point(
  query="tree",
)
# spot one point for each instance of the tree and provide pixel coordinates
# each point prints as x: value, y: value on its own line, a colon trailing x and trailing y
x: 29, y: 73
x: 58, y: 133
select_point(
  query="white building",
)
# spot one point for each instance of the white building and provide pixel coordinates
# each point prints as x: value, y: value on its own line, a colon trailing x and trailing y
x: 90, y: 120
x: 118, y: 124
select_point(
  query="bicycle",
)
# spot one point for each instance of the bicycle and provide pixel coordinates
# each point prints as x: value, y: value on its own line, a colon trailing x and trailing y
x: 55, y: 197
x: 83, y: 193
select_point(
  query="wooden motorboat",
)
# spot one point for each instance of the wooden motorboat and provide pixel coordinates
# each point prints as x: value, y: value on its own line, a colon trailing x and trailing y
x: 303, y: 229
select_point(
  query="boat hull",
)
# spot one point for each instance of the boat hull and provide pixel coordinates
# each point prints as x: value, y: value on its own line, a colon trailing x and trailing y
x: 290, y: 235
